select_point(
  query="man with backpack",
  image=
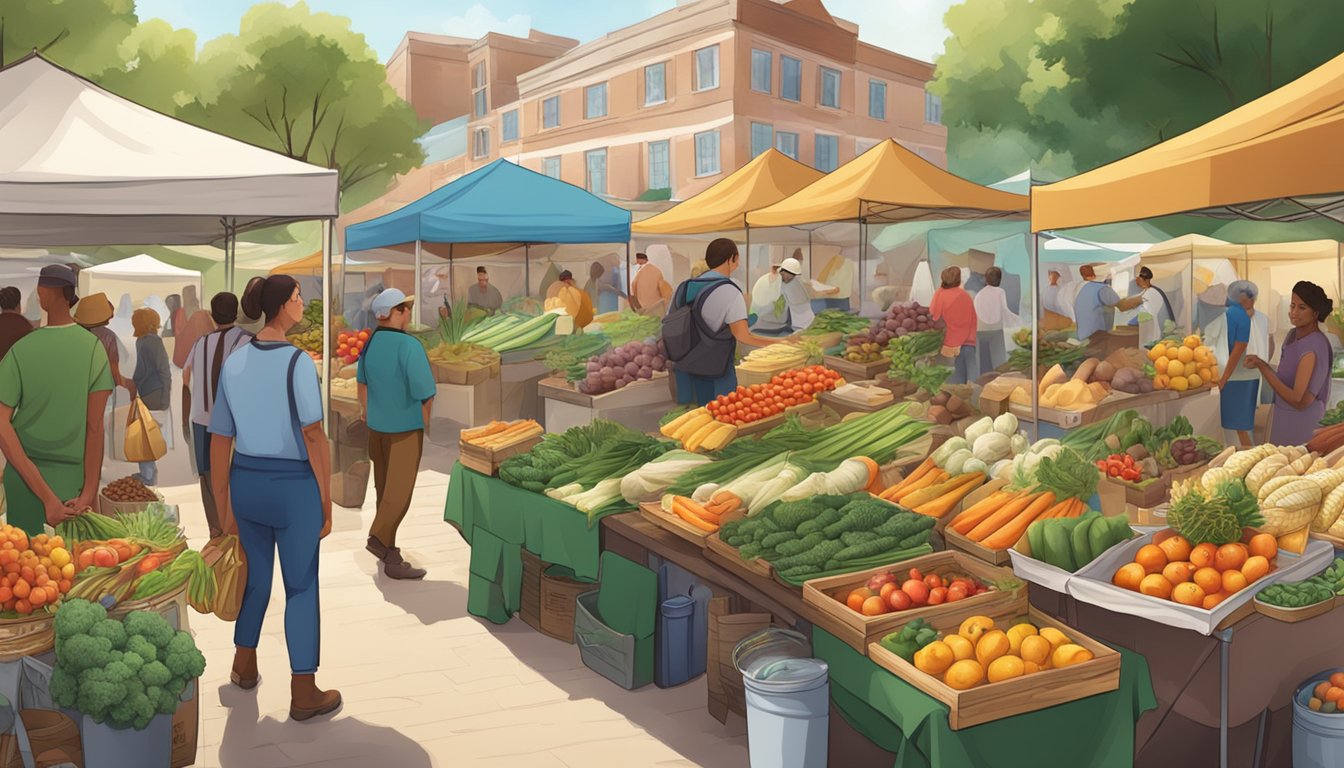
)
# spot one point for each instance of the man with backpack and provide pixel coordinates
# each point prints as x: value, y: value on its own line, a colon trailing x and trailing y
x: 705, y: 321
x: 206, y: 360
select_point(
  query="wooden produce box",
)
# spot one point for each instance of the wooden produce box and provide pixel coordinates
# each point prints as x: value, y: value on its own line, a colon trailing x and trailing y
x: 845, y: 406
x: 670, y: 522
x: 1294, y: 615
x: 1143, y: 497
x: 746, y: 377
x: 856, y: 371
x: 975, y: 549
x: 447, y: 373
x: 487, y: 460
x: 765, y: 425
x: 638, y: 406
x: 1029, y: 693
x: 108, y: 507
x: 859, y: 631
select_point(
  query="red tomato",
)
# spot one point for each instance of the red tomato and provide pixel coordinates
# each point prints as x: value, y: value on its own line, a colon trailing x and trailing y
x: 933, y: 580
x: 956, y: 592
x: 937, y: 596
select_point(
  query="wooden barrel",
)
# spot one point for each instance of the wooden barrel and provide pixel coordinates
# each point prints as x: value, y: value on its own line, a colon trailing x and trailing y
x: 28, y: 636
x: 164, y: 605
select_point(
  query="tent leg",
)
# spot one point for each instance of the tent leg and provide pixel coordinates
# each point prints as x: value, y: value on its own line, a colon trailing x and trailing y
x: 328, y: 227
x: 419, y: 279
x: 628, y: 267
x: 527, y: 270
x: 863, y: 258
x: 748, y: 265
x: 452, y: 295
x: 1034, y: 246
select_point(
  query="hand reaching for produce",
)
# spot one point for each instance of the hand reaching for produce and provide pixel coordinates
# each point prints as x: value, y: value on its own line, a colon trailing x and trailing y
x: 57, y: 512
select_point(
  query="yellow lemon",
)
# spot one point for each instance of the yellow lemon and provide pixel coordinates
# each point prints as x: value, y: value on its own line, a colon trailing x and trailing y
x: 59, y: 557
x: 974, y: 627
x: 1069, y: 654
x: 1195, y: 381
x: 1036, y: 650
x: 1205, y: 374
x: 1185, y: 354
x: 1160, y: 364
x: 961, y: 647
x: 964, y: 675
x: 1030, y: 667
x: 1191, y: 341
x: 1005, y: 668
x: 1055, y: 637
x: 934, y: 658
x: 1180, y: 383
x: 1015, y: 636
x: 1175, y: 368
x: 1174, y: 353
x: 991, y: 646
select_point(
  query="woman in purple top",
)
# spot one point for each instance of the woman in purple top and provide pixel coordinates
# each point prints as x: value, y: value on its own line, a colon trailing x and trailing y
x: 1302, y: 383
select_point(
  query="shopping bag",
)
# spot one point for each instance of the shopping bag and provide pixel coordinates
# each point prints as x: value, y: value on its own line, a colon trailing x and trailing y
x: 224, y: 555
x: 144, y: 440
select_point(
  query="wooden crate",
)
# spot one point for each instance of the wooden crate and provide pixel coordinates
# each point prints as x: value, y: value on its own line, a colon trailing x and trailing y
x: 765, y: 425
x: 653, y: 512
x: 747, y: 377
x: 994, y: 701
x: 858, y: 631
x: 529, y: 609
x: 1143, y: 497
x: 856, y: 371
x: 487, y: 460
x: 975, y: 549
x: 726, y: 692
x: 558, y: 601
x: 446, y: 373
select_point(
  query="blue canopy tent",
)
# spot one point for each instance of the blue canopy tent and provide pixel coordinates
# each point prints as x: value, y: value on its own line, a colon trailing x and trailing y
x: 501, y: 203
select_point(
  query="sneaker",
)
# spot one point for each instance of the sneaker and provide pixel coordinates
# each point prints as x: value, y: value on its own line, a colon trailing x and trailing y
x: 396, y: 567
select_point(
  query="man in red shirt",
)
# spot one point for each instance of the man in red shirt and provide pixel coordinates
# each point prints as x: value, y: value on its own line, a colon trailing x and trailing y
x: 955, y: 307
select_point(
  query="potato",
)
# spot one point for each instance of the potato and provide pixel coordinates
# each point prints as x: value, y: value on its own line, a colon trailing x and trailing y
x: 1104, y: 372
x: 957, y: 407
x: 940, y: 414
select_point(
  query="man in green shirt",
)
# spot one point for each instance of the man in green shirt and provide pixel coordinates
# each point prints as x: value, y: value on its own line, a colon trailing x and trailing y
x: 54, y: 385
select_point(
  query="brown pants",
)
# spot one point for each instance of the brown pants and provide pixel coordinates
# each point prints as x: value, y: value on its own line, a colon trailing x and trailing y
x: 396, y: 461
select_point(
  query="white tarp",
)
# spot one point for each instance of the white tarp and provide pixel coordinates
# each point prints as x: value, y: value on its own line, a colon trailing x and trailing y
x: 82, y: 166
x: 145, y: 279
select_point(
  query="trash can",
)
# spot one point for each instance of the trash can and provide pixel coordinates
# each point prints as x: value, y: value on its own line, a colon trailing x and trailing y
x: 1318, y: 737
x: 788, y: 700
x: 675, y: 622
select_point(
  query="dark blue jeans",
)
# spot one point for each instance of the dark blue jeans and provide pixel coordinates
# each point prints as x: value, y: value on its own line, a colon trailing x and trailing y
x: 277, y: 505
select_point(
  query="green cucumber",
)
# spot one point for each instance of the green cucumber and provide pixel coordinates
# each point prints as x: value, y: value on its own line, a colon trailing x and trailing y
x: 1082, y: 549
x: 1057, y: 545
x: 1100, y: 537
x: 1036, y: 540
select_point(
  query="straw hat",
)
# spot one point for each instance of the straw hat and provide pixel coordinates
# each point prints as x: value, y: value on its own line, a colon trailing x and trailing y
x: 94, y: 310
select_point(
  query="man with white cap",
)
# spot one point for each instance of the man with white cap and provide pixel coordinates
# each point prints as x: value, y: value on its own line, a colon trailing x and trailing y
x: 396, y: 393
x: 795, y: 295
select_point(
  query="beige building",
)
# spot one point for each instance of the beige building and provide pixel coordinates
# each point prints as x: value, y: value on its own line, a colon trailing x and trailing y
x: 667, y: 107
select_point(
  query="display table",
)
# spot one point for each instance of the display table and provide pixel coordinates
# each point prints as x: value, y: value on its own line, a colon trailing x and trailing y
x: 499, y: 521
x: 638, y: 406
x: 468, y: 404
x: 518, y: 396
x: 1096, y: 732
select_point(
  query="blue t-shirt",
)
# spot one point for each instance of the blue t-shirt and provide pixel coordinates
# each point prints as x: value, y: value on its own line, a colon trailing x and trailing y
x: 1092, y: 309
x: 395, y: 369
x: 1238, y: 326
x: 252, y: 405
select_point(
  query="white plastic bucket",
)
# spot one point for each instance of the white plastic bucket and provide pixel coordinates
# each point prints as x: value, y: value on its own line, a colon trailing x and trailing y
x: 1318, y: 738
x: 788, y: 700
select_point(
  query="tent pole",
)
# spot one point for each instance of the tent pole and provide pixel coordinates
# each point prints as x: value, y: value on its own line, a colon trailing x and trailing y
x: 419, y: 277
x: 1035, y: 336
x: 328, y: 230
x: 863, y: 258
x: 1189, y: 300
x: 452, y: 296
x: 628, y: 266
x: 748, y: 265
x: 527, y: 270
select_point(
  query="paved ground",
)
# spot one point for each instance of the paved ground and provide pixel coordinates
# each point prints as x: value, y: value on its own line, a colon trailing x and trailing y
x: 427, y: 685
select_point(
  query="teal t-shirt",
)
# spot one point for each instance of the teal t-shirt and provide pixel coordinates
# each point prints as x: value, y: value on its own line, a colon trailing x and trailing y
x: 395, y: 369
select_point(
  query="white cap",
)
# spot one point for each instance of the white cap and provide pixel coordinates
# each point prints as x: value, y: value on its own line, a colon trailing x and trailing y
x: 792, y: 266
x: 385, y: 302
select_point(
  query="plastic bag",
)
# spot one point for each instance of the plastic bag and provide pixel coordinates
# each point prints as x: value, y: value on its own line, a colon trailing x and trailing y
x: 224, y: 555
x: 144, y: 440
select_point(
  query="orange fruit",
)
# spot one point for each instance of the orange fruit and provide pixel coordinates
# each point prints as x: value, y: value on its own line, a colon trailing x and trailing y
x: 1209, y: 580
x: 1129, y: 576
x: 1233, y: 582
x: 1264, y: 545
x: 1152, y: 558
x: 1337, y: 680
x: 1160, y: 364
x: 1177, y: 548
x: 1178, y: 572
x: 1188, y: 594
x: 1334, y: 694
x: 964, y: 674
x: 1155, y: 586
x: 991, y: 646
x: 887, y: 589
x: 1202, y: 555
x: 873, y: 606
x: 856, y: 598
x: 1230, y: 557
x: 1320, y: 689
x: 1213, y: 599
x: 1256, y: 567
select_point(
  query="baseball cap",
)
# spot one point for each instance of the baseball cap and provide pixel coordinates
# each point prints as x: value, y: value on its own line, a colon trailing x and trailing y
x: 57, y: 276
x: 385, y: 302
x: 791, y: 266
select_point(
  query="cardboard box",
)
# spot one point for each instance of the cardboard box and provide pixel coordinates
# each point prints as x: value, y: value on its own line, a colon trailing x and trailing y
x: 186, y: 729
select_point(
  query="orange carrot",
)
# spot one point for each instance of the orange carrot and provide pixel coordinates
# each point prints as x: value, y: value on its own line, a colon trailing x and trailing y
x: 1011, y: 531
x: 873, y: 470
x: 1000, y: 518
x: 946, y: 497
x: 924, y: 468
x: 973, y: 515
x: 680, y: 507
x: 1060, y: 509
x: 1077, y: 508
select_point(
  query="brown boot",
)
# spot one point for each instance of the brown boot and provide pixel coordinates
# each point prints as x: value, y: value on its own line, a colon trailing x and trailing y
x: 307, y: 701
x: 244, y: 674
x: 396, y: 567
x: 376, y: 548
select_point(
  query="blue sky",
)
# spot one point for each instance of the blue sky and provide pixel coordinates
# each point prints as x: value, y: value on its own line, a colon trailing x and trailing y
x: 912, y: 27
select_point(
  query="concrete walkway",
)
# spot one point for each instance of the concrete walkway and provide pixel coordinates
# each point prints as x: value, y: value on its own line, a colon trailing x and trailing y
x: 425, y: 684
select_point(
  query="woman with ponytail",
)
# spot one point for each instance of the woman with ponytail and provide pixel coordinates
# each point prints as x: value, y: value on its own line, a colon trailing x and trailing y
x: 273, y: 486
x: 1302, y: 383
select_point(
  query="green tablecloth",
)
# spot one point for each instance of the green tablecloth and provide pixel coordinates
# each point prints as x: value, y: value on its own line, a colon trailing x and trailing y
x: 1096, y: 732
x: 499, y: 521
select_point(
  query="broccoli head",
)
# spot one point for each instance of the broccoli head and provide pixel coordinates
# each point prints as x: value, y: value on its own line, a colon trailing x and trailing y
x: 183, y: 658
x: 118, y: 672
x: 112, y: 630
x: 133, y: 661
x: 64, y: 688
x: 77, y: 617
x: 155, y: 673
x: 142, y: 647
x: 83, y: 652
x: 150, y: 626
x: 97, y: 694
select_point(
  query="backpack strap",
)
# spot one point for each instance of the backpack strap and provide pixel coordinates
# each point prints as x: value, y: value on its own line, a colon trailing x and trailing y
x: 294, y: 404
x: 215, y: 366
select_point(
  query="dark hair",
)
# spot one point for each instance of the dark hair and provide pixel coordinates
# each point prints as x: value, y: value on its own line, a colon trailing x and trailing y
x: 70, y: 295
x: 224, y: 308
x: 994, y: 276
x: 480, y: 270
x: 1145, y: 273
x: 10, y: 298
x: 1314, y: 296
x: 1087, y: 272
x: 643, y: 256
x: 265, y: 296
x: 951, y: 277
x: 719, y: 252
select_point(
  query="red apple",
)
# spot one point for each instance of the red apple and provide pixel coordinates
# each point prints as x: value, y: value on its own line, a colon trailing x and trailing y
x: 917, y: 590
x: 899, y: 600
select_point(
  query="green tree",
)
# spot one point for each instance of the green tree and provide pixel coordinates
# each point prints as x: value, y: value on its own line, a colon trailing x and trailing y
x: 155, y: 68
x: 81, y: 35
x: 305, y: 85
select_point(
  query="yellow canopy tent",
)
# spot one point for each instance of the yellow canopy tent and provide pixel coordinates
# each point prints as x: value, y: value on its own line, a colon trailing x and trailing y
x: 312, y: 265
x: 771, y: 177
x: 1276, y: 149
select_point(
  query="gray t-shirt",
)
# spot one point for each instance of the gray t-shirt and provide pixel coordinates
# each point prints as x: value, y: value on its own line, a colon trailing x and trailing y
x: 489, y: 298
x: 724, y: 306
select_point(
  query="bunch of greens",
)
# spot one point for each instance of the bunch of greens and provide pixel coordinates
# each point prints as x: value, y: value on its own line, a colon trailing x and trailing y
x: 1099, y: 440
x: 1335, y: 415
x: 312, y: 314
x: 120, y: 673
x: 1055, y: 350
x: 461, y: 319
x: 571, y: 354
x: 534, y: 470
x: 912, y: 360
x: 631, y: 326
x: 1299, y: 594
x: 912, y: 637
x: 836, y: 321
x: 1067, y: 475
x: 1216, y: 517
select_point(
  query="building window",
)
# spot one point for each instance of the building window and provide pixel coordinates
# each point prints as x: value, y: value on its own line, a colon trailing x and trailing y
x: 790, y: 78
x: 551, y: 167
x: 478, y: 75
x: 762, y: 138
x: 479, y: 103
x: 707, y: 68
x: 480, y: 143
x: 828, y: 153
x: 550, y: 112
x: 509, y: 127
x: 877, y: 99
x: 478, y: 97
x: 597, y: 171
x: 655, y: 84
x: 660, y: 165
x: 933, y: 108
x: 787, y: 143
x: 707, y: 153
x: 595, y: 101
x: 761, y: 75
x: 830, y: 88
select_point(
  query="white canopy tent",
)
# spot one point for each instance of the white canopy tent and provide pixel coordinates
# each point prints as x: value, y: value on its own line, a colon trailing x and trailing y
x: 139, y: 277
